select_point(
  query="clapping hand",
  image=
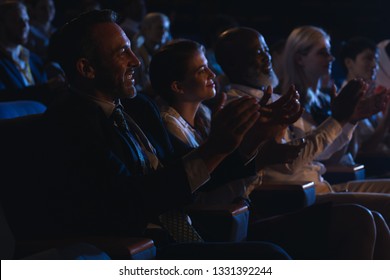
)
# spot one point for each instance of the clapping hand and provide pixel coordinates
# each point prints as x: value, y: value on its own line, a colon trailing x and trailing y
x: 344, y: 104
x: 274, y: 119
x: 371, y: 104
x: 230, y: 123
x: 355, y: 103
x: 286, y: 110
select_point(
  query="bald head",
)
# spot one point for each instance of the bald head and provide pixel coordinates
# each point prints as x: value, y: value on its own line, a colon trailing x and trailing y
x: 155, y: 28
x: 244, y: 57
x: 231, y: 47
x: 153, y: 18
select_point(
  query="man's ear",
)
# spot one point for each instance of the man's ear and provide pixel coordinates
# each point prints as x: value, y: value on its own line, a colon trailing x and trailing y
x: 85, y: 68
x: 177, y: 87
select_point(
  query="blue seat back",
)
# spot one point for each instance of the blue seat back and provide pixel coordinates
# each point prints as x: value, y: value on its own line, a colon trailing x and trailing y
x: 15, y: 109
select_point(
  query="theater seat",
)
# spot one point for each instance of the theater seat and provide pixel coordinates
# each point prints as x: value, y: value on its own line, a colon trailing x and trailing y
x: 228, y: 223
x: 91, y: 248
x: 275, y: 198
x: 336, y: 174
x: 118, y: 248
x: 15, y: 109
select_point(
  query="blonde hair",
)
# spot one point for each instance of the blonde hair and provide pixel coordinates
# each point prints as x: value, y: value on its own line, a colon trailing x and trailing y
x: 300, y: 41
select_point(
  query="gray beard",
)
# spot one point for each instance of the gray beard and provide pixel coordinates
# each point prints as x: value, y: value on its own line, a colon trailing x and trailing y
x: 270, y: 80
x: 262, y: 80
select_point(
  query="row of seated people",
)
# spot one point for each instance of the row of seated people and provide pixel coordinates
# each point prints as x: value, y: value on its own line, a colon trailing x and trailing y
x: 97, y: 179
x: 154, y: 32
x: 236, y: 51
x: 25, y: 64
x: 360, y: 58
x: 23, y: 73
x: 306, y: 60
x: 370, y: 134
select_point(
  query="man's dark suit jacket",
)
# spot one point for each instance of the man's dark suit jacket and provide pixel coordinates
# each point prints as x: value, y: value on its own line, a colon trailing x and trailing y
x: 79, y: 178
x: 11, y: 82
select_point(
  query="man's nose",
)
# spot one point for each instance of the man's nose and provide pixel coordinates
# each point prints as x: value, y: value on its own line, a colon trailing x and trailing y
x: 211, y: 73
x: 133, y: 60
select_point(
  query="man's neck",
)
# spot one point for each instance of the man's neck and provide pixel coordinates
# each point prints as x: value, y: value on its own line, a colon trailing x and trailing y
x: 106, y: 104
x: 44, y: 26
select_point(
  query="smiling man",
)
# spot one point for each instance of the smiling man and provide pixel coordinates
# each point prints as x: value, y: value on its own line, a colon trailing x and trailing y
x: 110, y: 169
x: 124, y: 159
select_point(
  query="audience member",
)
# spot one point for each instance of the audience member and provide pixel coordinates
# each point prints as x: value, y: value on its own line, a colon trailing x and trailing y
x: 118, y: 170
x: 383, y: 76
x: 42, y: 14
x: 243, y: 55
x: 132, y: 13
x: 307, y: 59
x: 359, y: 57
x: 22, y: 74
x: 213, y: 27
x: 155, y: 31
x: 184, y: 85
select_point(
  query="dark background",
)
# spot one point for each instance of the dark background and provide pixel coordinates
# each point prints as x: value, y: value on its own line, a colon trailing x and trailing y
x: 273, y: 18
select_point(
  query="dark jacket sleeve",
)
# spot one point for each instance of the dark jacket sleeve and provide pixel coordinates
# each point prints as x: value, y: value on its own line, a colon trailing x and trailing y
x: 12, y: 86
x: 89, y: 186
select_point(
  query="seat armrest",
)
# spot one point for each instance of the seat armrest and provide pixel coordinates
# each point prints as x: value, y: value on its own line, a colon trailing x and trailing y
x: 126, y: 247
x: 375, y: 165
x: 220, y: 223
x: 336, y: 174
x: 114, y: 247
x: 274, y: 198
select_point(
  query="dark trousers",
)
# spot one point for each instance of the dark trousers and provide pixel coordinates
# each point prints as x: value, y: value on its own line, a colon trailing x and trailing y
x: 303, y: 234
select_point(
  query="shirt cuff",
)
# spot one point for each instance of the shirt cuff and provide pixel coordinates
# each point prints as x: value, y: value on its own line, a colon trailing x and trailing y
x: 348, y: 129
x: 330, y: 125
x: 197, y: 172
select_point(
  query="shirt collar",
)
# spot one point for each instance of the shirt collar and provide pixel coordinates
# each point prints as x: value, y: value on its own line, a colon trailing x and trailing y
x: 18, y: 55
x: 106, y: 106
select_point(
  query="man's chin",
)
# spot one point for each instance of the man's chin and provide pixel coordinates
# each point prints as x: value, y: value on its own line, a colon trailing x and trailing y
x: 270, y: 79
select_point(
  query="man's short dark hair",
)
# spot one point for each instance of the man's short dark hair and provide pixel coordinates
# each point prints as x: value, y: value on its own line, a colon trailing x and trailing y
x: 74, y: 40
x: 355, y: 46
x: 170, y: 64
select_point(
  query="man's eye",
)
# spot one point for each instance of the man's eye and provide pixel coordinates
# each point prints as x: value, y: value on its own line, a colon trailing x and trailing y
x: 325, y: 53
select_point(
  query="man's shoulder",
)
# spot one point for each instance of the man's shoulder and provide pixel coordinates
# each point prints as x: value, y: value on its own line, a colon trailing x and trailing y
x: 72, y: 105
x: 140, y: 104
